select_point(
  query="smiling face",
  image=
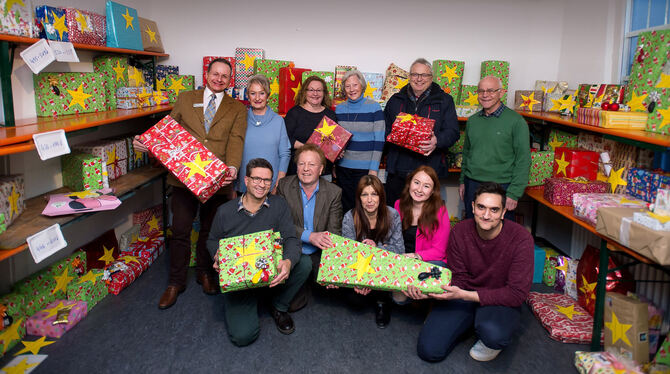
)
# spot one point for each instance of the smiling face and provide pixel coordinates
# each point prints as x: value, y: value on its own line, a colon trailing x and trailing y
x: 421, y: 187
x: 258, y: 98
x: 315, y: 93
x: 218, y: 77
x: 488, y: 211
x: 489, y: 93
x: 353, y: 88
x: 309, y: 168
x: 369, y: 200
x: 259, y: 182
x: 420, y: 79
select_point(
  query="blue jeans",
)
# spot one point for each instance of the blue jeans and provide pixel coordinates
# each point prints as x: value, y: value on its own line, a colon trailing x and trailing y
x: 469, y: 196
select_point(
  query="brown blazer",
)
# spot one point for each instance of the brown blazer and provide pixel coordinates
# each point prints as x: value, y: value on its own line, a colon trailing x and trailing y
x: 226, y: 134
x: 328, y: 208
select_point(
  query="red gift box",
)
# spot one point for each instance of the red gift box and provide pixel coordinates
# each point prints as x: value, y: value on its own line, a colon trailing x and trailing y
x: 559, y: 191
x: 290, y: 79
x: 408, y: 130
x: 150, y: 220
x: 146, y: 247
x: 330, y: 137
x: 205, y: 64
x: 134, y: 266
x: 102, y: 251
x: 587, y: 278
x: 86, y: 27
x: 575, y: 162
x: 186, y: 158
x: 566, y: 321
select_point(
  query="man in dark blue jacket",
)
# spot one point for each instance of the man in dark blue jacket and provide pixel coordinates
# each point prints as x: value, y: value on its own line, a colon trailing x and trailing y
x: 425, y: 99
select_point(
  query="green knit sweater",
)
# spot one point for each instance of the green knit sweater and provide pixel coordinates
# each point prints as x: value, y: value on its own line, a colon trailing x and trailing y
x: 497, y: 149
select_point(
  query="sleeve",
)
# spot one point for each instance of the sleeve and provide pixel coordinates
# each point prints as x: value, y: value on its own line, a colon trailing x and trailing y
x: 335, y: 214
x: 348, y: 230
x: 292, y: 246
x: 216, y: 232
x: 291, y: 123
x: 235, y: 144
x: 437, y: 243
x: 379, y: 136
x: 464, y: 155
x: 176, y: 112
x: 390, y: 113
x: 281, y: 191
x: 448, y: 134
x: 521, y: 166
x: 395, y: 242
x: 284, y: 148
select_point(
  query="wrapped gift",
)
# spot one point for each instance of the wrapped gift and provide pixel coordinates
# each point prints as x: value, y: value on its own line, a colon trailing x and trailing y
x: 12, y: 335
x: 42, y: 322
x: 566, y: 276
x: 50, y: 283
x: 244, y: 64
x: 123, y: 27
x: 550, y: 263
x: 136, y: 159
x: 594, y: 142
x: 205, y: 65
x: 610, y: 119
x: 618, y: 280
x: 290, y: 80
x: 115, y: 71
x: 151, y: 38
x: 541, y: 167
x: 663, y: 354
x: 81, y: 202
x: 89, y: 288
x: 559, y: 138
x: 270, y: 69
x: 176, y: 84
x: 396, y: 78
x: 551, y: 87
x: 662, y: 202
x: 186, y: 158
x: 528, y: 101
x: 133, y: 97
x: 652, y: 52
x: 575, y: 162
x: 82, y: 171
x: 102, y: 251
x: 148, y: 248
x: 340, y: 70
x: 652, y: 221
x: 563, y: 103
x: 449, y: 75
x: 593, y: 95
x: 538, y: 264
x: 603, y: 363
x: 12, y: 196
x: 122, y: 273
x: 69, y: 93
x: 51, y: 22
x: 162, y: 71
x: 559, y: 191
x: 566, y: 321
x: 659, y: 113
x: 464, y: 111
x: 469, y: 96
x: 409, y: 130
x: 330, y: 137
x: 113, y: 155
x: 626, y: 327
x: 458, y: 146
x: 327, y: 76
x: 498, y: 69
x: 374, y: 85
x: 195, y: 234
x: 86, y: 27
x: 17, y: 18
x: 350, y: 263
x: 129, y: 236
x: 150, y: 220
x: 644, y: 184
x: 249, y: 261
x: 15, y: 306
x: 587, y: 205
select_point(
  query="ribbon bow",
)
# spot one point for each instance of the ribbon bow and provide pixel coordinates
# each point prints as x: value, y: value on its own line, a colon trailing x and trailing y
x: 434, y: 272
x: 579, y: 179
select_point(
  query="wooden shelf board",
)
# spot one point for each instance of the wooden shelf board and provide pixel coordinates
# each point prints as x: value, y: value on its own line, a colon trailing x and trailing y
x: 86, y: 47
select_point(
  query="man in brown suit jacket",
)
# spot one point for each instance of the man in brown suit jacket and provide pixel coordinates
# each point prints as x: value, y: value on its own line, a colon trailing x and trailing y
x: 316, y: 207
x: 219, y: 122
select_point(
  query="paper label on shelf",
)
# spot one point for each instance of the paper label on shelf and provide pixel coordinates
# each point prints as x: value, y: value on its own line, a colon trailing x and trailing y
x: 38, y: 56
x: 46, y: 242
x: 51, y: 144
x: 64, y: 51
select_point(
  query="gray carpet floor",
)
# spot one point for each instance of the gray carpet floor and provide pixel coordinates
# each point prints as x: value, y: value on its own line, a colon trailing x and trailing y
x: 129, y: 334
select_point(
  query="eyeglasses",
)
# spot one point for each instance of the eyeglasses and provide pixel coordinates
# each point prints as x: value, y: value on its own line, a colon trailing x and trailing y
x: 418, y: 75
x: 489, y: 91
x: 258, y: 180
x: 311, y: 90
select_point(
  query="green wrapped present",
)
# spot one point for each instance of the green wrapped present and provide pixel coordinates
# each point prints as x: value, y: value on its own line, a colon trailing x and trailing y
x: 541, y: 167
x: 15, y: 304
x: 176, y: 84
x: 350, y: 263
x: 89, y: 288
x: 550, y: 263
x: 498, y: 69
x: 270, y: 69
x: 82, y: 171
x: 12, y: 335
x: 69, y: 93
x: 327, y: 76
x: 653, y: 50
x: 115, y: 71
x: 558, y: 138
x: 659, y: 117
x: 249, y: 261
x: 51, y: 283
x: 469, y: 95
x: 449, y: 75
x: 3, y: 223
x: 12, y: 197
x: 458, y: 146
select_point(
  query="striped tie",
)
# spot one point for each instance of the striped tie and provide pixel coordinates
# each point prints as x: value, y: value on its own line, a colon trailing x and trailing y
x: 209, y: 112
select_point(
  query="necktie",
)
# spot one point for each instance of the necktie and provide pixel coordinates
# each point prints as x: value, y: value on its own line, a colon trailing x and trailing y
x: 209, y: 112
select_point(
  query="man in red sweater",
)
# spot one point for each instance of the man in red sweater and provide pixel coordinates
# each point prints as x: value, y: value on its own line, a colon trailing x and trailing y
x: 491, y: 260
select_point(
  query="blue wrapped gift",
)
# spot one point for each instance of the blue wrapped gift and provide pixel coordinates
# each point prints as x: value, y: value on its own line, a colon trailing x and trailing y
x: 375, y: 85
x: 538, y: 268
x: 53, y: 23
x: 123, y: 27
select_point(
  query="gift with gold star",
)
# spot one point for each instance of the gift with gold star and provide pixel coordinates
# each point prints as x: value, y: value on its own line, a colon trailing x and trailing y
x: 618, y: 279
x: 408, y: 130
x: 349, y: 263
x: 644, y: 184
x: 12, y: 335
x: 558, y: 138
x: 327, y: 76
x: 113, y: 154
x: 51, y: 23
x: 528, y: 101
x: 81, y: 202
x: 151, y: 38
x: 50, y: 321
x: 129, y: 236
x: 136, y: 159
x: 244, y: 64
x: 69, y: 93
x: 653, y: 48
x: 550, y: 263
x: 468, y: 96
x: 587, y: 205
x: 123, y: 272
x: 149, y: 247
x: 17, y: 18
x: 114, y: 68
x: 249, y: 261
x: 89, y: 288
x: 659, y: 108
x: 150, y: 220
x: 205, y: 65
x: 134, y: 97
x: 541, y: 167
x: 290, y: 81
x: 498, y: 69
x: 86, y: 27
x: 123, y: 27
x: 330, y: 137
x: 611, y: 119
x: 176, y: 84
x: 563, y: 318
x: 626, y: 327
x: 395, y: 79
x: 374, y: 84
x: 557, y: 87
x: 185, y: 157
x: 575, y: 162
x: 162, y: 71
x: 12, y: 195
x: 449, y: 75
x: 101, y: 251
x: 270, y: 69
x: 559, y: 191
x: 340, y: 70
x: 566, y: 276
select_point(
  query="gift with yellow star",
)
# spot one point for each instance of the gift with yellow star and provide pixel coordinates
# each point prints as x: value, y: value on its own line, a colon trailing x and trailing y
x: 627, y: 326
x: 327, y: 76
x: 546, y: 87
x: 148, y: 248
x: 449, y: 75
x: 560, y: 103
x: 205, y: 65
x: 644, y: 184
x: 593, y: 95
x: 408, y: 130
x: 50, y: 283
x: 558, y: 138
x: 12, y: 195
x: 528, y: 101
x: 587, y: 205
x: 101, y: 251
x: 244, y: 64
x: 566, y: 276
x: 330, y: 137
x: 559, y: 191
x: 16, y: 18
x: 498, y: 69
x: 647, y: 69
x: 135, y: 159
x: 541, y: 167
x: 604, y: 363
x: 123, y: 27
x: 42, y: 322
x: 374, y: 86
x: 81, y: 202
x: 69, y: 93
x: 115, y: 71
x: 123, y: 272
x: 249, y: 261
x: 176, y: 84
x: 134, y: 97
x: 562, y: 317
x: 270, y: 69
x: 469, y: 95
x: 86, y: 27
x: 12, y: 335
x: 395, y: 79
x: 575, y: 162
x: 151, y: 38
x: 550, y: 263
x: 290, y: 81
x: 659, y: 113
x: 113, y: 153
x: 89, y: 288
x: 150, y: 220
x: 51, y: 22
x: 350, y: 263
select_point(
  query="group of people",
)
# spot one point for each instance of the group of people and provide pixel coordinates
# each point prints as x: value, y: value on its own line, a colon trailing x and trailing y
x: 287, y: 185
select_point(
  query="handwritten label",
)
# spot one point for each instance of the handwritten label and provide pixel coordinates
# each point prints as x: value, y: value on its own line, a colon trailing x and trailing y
x: 51, y: 144
x: 38, y: 56
x: 64, y: 51
x: 46, y: 242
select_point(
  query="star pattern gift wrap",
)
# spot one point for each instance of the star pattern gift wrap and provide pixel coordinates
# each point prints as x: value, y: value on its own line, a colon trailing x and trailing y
x: 340, y: 70
x: 52, y: 23
x: 449, y: 75
x: 16, y: 18
x: 498, y: 69
x: 86, y: 27
x: 602, y: 363
x: 41, y: 323
x: 575, y: 162
x: 349, y: 263
x: 559, y: 191
x: 610, y: 119
x: 408, y: 130
x: 185, y: 157
x: 176, y: 84
x: 330, y: 137
x: 12, y: 195
x: 396, y: 78
x: 102, y: 251
x: 124, y: 272
x: 12, y: 335
x: 290, y: 80
x: 205, y: 65
x: 115, y: 72
x: 148, y: 248
x: 541, y: 167
x: 550, y: 263
x: 327, y: 76
x: 270, y: 69
x: 151, y: 38
x: 69, y: 93
x: 586, y: 205
x: 113, y: 154
x: 150, y: 220
x: 469, y: 95
x: 565, y: 321
x: 653, y: 50
x: 561, y: 103
x: 244, y: 64
x: 123, y: 27
x: 89, y: 288
x: 162, y: 71
x: 249, y: 261
x: 374, y: 84
x: 528, y: 101
x: 644, y: 184
x: 559, y: 138
x: 626, y: 327
x: 659, y: 114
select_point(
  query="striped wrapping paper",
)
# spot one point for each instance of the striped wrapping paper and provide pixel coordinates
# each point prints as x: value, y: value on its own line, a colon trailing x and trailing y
x: 610, y: 119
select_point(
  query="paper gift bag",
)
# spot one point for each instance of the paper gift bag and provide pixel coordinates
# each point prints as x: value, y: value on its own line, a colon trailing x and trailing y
x: 81, y: 202
x: 86, y: 27
x: 69, y: 93
x: 528, y: 101
x: 123, y: 27
x: 244, y: 64
x: 327, y: 76
x: 330, y: 137
x: 409, y: 130
x: 52, y: 23
x: 626, y: 327
x: 12, y: 197
x: 151, y: 38
x: 205, y: 65
x: 449, y: 75
x: 618, y: 280
x: 396, y: 78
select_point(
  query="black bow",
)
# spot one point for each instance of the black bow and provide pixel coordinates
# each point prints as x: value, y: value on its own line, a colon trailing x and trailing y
x: 434, y: 272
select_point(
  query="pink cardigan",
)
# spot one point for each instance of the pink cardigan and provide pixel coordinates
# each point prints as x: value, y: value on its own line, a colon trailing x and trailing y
x: 434, y: 247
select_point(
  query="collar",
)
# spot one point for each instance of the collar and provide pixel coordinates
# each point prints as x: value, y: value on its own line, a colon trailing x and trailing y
x: 209, y: 93
x: 303, y: 190
x: 360, y: 99
x: 496, y: 113
x: 424, y: 95
x: 240, y: 204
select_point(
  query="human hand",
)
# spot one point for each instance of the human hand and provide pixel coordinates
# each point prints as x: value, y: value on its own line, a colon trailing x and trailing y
x: 138, y: 145
x: 284, y: 267
x: 215, y: 265
x: 510, y: 204
x: 414, y: 256
x: 231, y: 176
x: 455, y: 293
x: 428, y: 146
x: 369, y: 242
x: 461, y: 192
x: 332, y: 287
x: 414, y: 293
x: 320, y: 240
x: 362, y: 290
x: 373, y: 172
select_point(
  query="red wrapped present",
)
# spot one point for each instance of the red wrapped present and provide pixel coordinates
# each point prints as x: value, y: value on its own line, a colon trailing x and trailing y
x: 146, y: 247
x: 575, y: 162
x: 408, y: 130
x: 566, y: 321
x: 150, y: 220
x: 86, y: 27
x: 102, y: 251
x: 122, y: 273
x: 587, y: 278
x: 205, y: 65
x: 559, y: 191
x: 330, y: 137
x: 290, y: 80
x: 193, y: 164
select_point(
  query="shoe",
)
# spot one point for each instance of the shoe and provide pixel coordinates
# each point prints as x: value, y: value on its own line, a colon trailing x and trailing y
x: 208, y: 284
x: 283, y: 321
x: 299, y: 301
x: 481, y: 352
x: 382, y: 314
x: 169, y: 297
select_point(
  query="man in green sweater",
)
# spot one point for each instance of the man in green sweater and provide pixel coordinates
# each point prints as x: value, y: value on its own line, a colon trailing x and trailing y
x: 496, y: 148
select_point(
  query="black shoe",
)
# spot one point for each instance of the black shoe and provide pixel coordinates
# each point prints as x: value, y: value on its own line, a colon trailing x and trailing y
x: 283, y: 321
x: 382, y: 314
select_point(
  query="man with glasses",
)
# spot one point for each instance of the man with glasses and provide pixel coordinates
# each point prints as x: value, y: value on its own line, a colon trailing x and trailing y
x: 256, y: 211
x: 425, y: 99
x: 496, y: 148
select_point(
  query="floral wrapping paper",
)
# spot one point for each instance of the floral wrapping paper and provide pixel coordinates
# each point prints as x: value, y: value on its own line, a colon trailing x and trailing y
x: 528, y: 101
x: 593, y: 95
x: 565, y: 321
x: 81, y: 202
x: 396, y: 78
x: 136, y: 159
x: 69, y: 93
x: 134, y: 266
x: 12, y: 196
x: 123, y: 27
x: 51, y: 23
x: 244, y: 64
x: 340, y: 70
x: 330, y: 137
x: 249, y: 261
x: 270, y: 69
x: 12, y: 335
x: 90, y: 289
x: 498, y: 69
x: 559, y: 191
x: 176, y: 84
x: 290, y: 81
x: 601, y: 363
x: 40, y: 324
x: 644, y: 184
x: 558, y: 138
x: 409, y: 130
x: 17, y: 18
x: 350, y: 263
x: 148, y: 248
x: 586, y: 205
x: 150, y: 220
x: 134, y: 97
x: 610, y: 119
x: 469, y: 95
x: 374, y: 85
x: 186, y: 158
x: 562, y: 264
x: 449, y: 75
x: 575, y: 162
x: 571, y: 279
x: 327, y: 76
x: 653, y: 50
x: 113, y: 153
x: 86, y: 27
x: 151, y: 38
x: 115, y: 72
x: 541, y: 167
x: 206, y: 60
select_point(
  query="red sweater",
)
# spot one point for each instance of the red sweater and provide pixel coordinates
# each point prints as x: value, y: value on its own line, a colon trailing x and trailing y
x: 500, y: 269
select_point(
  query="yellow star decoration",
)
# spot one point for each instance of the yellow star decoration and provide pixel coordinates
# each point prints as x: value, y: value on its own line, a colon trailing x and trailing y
x: 34, y: 346
x: 160, y: 84
x: 13, y: 202
x: 119, y: 70
x: 664, y: 82
x: 556, y: 104
x: 563, y: 267
x: 197, y: 166
x: 568, y: 103
x: 177, y: 85
x: 10, y: 334
x: 62, y: 282
x: 588, y: 288
x: 589, y: 102
x: 129, y: 259
x: 90, y: 276
x: 129, y: 19
x: 615, y: 179
x: 473, y: 99
x: 248, y: 61
x: 10, y: 4
x: 362, y: 264
x: 138, y: 155
x: 108, y: 257
x: 296, y: 89
x: 562, y: 164
x: 326, y: 129
x: 152, y: 34
x: 407, y: 118
x: 78, y: 97
x: 636, y: 103
x: 20, y: 368
x: 554, y: 143
x: 111, y: 156
x: 568, y: 311
x: 529, y: 101
x: 401, y: 83
x: 660, y: 218
x: 369, y: 90
x: 449, y: 73
x: 547, y: 90
x: 82, y: 194
x: 59, y: 24
x: 153, y: 224
x: 138, y: 77
x: 618, y: 330
x: 53, y: 311
x: 600, y: 98
x: 666, y: 117
x: 248, y: 254
x: 81, y: 20
x: 274, y: 87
